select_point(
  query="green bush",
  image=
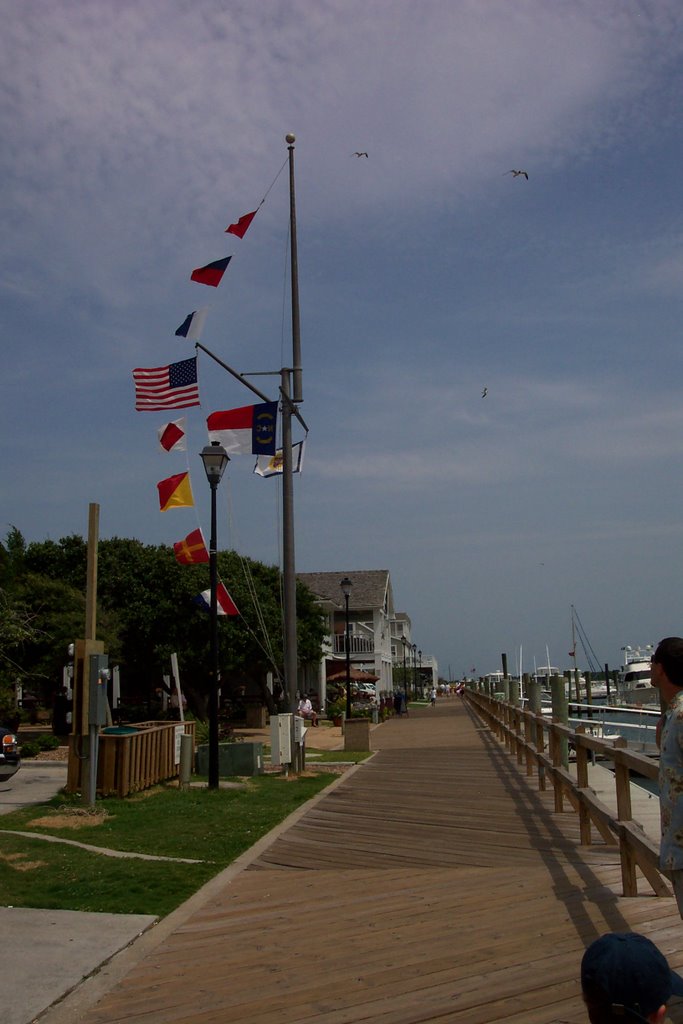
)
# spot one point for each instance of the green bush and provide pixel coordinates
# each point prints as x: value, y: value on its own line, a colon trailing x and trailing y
x: 47, y: 742
x: 29, y: 749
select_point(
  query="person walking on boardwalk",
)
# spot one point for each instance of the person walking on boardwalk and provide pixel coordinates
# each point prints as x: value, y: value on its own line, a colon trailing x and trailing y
x: 625, y: 977
x: 666, y: 675
x: 432, y: 696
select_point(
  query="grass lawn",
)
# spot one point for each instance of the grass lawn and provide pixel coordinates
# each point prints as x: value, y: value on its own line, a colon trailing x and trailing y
x: 211, y: 826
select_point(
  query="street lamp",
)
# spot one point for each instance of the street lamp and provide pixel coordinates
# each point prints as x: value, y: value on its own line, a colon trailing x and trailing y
x: 346, y: 585
x: 419, y: 654
x: 414, y: 650
x: 405, y: 677
x: 215, y: 459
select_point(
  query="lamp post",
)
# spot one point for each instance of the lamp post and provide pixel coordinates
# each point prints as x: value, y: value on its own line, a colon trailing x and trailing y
x: 419, y: 676
x: 215, y: 459
x: 414, y: 646
x: 405, y: 678
x: 346, y: 585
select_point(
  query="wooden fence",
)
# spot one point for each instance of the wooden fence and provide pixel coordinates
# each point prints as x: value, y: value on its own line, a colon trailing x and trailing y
x: 129, y: 762
x: 541, y: 744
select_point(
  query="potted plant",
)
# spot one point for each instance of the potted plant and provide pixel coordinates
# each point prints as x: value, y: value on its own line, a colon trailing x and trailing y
x: 335, y: 711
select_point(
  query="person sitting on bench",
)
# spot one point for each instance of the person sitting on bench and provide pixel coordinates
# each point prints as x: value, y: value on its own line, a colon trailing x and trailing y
x: 305, y: 709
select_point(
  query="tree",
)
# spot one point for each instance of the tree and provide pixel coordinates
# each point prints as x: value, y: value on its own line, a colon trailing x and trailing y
x: 147, y: 611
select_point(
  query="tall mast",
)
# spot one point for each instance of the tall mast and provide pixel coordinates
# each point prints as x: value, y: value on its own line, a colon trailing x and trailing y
x: 288, y: 560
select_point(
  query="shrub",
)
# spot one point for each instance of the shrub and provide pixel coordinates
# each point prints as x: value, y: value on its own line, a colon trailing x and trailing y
x: 29, y: 749
x: 47, y: 742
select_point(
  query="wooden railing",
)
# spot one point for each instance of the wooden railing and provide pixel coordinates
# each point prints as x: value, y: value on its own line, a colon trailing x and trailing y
x: 541, y: 745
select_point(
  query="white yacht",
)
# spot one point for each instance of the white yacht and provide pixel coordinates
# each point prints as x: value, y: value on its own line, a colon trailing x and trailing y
x: 635, y: 671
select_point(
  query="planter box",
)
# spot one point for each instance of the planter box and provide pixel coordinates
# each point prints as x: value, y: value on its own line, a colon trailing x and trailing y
x: 233, y: 759
x: 255, y: 716
x: 357, y: 734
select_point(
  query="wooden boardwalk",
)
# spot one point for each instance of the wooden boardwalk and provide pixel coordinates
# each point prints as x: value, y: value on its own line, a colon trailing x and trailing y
x: 434, y: 883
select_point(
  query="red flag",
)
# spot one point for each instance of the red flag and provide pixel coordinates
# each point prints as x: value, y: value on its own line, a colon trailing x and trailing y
x: 226, y: 605
x: 212, y: 273
x: 192, y: 550
x: 242, y: 225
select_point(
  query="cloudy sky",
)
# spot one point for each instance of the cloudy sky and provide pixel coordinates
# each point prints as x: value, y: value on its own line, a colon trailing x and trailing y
x: 135, y: 132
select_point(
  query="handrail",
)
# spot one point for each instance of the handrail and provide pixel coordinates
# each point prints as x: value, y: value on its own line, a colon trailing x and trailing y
x: 538, y: 741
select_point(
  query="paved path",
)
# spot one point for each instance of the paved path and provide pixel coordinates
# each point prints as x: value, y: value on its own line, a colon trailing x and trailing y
x: 431, y: 883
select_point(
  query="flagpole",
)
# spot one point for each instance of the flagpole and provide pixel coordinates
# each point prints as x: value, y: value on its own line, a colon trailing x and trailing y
x: 238, y: 376
x: 289, y: 401
x: 288, y: 563
x: 297, y: 395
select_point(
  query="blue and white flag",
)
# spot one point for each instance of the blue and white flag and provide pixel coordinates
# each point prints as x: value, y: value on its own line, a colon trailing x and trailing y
x: 193, y: 325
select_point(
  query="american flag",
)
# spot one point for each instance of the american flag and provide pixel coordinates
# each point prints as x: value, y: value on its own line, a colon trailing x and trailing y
x: 167, y: 387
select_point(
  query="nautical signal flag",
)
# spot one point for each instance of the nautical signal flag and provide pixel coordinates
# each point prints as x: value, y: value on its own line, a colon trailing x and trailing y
x: 193, y: 325
x: 241, y: 227
x: 272, y: 465
x: 175, y: 492
x: 172, y: 436
x: 192, y: 550
x: 167, y: 387
x: 245, y: 431
x: 212, y: 273
x: 224, y: 603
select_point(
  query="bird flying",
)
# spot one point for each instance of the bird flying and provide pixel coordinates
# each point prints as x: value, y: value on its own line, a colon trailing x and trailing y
x: 516, y: 174
x: 359, y: 154
x: 484, y: 392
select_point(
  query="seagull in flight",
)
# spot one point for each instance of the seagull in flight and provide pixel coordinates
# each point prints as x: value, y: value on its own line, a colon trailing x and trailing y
x: 484, y: 392
x: 516, y: 174
x: 359, y: 154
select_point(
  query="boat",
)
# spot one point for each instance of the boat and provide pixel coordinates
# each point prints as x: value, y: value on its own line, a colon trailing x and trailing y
x: 635, y: 670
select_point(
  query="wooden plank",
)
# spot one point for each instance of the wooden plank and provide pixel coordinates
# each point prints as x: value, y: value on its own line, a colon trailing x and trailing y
x: 435, y: 884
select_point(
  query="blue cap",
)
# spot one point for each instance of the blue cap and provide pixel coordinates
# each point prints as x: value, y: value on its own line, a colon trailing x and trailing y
x: 630, y: 971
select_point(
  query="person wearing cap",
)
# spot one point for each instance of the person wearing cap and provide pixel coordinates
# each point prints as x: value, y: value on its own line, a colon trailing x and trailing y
x: 625, y: 977
x: 666, y: 674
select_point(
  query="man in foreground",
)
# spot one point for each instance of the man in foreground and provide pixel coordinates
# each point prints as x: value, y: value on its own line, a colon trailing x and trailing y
x: 667, y: 676
x: 625, y: 977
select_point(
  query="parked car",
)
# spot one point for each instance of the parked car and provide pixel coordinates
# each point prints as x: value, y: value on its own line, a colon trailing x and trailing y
x: 9, y: 755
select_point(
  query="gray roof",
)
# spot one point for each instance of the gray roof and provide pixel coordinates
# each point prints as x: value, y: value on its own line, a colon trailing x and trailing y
x: 370, y: 588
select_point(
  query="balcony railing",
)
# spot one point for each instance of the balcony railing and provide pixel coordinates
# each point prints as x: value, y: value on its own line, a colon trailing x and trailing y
x: 359, y: 644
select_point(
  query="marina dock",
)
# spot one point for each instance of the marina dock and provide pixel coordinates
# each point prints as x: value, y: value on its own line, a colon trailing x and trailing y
x: 434, y: 882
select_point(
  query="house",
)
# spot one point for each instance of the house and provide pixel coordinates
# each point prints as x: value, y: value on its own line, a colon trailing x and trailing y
x: 420, y: 672
x: 371, y: 613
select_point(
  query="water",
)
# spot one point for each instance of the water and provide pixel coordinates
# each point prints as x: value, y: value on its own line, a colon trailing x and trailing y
x: 637, y: 725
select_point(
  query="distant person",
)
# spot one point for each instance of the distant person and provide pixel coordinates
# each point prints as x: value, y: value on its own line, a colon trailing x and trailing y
x: 305, y: 709
x: 432, y: 696
x: 667, y: 676
x: 625, y: 977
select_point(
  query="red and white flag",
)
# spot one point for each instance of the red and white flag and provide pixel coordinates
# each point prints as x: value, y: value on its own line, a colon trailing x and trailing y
x: 172, y: 436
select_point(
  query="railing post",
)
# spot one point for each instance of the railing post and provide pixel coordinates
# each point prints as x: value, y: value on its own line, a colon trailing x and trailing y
x: 560, y: 714
x: 622, y: 776
x: 582, y: 783
x: 556, y: 757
